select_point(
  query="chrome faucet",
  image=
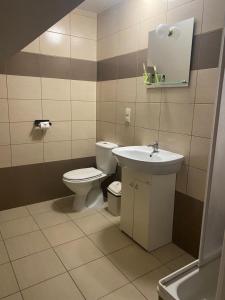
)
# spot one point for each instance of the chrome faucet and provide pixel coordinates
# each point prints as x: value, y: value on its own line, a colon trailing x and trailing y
x: 155, y: 147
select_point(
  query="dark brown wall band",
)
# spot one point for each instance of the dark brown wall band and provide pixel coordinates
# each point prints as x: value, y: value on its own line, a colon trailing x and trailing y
x: 29, y: 184
x: 205, y: 54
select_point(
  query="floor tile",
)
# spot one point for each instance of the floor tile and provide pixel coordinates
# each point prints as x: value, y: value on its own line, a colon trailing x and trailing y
x: 133, y: 261
x: 3, y: 254
x: 62, y: 233
x: 80, y: 214
x: 37, y: 267
x: 13, y: 213
x: 115, y: 219
x: 17, y: 227
x: 16, y: 296
x: 110, y: 240
x: 93, y: 223
x: 8, y: 284
x: 50, y: 219
x: 128, y: 292
x: 39, y: 208
x: 147, y: 284
x: 77, y: 253
x: 26, y: 244
x: 59, y: 288
x: 180, y: 262
x: 167, y: 253
x: 98, y: 278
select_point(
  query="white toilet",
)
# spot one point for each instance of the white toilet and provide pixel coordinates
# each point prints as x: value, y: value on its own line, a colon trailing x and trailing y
x: 86, y: 183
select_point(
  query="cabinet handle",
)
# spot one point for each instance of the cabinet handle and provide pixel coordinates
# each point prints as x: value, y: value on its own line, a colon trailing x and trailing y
x: 136, y: 187
x: 131, y: 184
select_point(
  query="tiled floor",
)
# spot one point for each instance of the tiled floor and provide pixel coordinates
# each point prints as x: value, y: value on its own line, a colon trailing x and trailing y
x: 48, y: 252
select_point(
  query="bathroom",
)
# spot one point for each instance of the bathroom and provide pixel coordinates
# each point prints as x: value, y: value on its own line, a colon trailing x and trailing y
x: 71, y: 76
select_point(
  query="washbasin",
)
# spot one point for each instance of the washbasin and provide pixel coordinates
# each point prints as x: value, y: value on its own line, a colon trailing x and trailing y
x: 141, y: 158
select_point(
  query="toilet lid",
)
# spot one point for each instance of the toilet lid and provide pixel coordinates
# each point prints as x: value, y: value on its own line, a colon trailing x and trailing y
x: 82, y: 174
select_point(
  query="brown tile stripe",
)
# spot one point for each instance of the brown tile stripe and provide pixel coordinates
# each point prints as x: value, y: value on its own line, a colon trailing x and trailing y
x: 205, y: 55
x: 37, y: 65
x: 29, y: 184
x: 187, y: 223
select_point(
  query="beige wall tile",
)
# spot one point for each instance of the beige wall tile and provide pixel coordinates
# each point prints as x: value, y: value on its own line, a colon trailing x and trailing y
x: 124, y: 135
x: 196, y: 183
x: 83, y: 48
x: 33, y: 47
x: 127, y: 41
x: 126, y: 89
x: 108, y: 22
x: 60, y: 131
x: 108, y: 111
x: 175, y: 3
x: 108, y: 90
x: 55, y: 89
x: 83, y: 90
x: 4, y: 134
x: 176, y: 117
x: 143, y: 136
x: 57, y: 151
x: 83, y: 148
x: 182, y: 177
x: 184, y: 94
x: 83, y: 111
x: 26, y: 154
x: 107, y: 132
x: 84, y: 26
x: 108, y: 46
x: 178, y: 143
x: 126, y: 14
x: 98, y: 106
x: 147, y: 115
x: 4, y: 114
x: 23, y: 110
x: 207, y: 83
x: 149, y: 9
x: 120, y: 112
x: 214, y: 14
x: 84, y: 12
x: 56, y: 110
x: 55, y: 44
x: 23, y: 87
x: 83, y: 130
x: 24, y: 132
x: 203, y: 120
x: 199, y: 156
x: 188, y: 10
x: 147, y: 95
x: 63, y: 26
x: 5, y: 156
x: 3, y: 86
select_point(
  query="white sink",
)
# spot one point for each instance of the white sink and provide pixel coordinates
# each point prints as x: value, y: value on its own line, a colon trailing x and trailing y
x: 139, y: 157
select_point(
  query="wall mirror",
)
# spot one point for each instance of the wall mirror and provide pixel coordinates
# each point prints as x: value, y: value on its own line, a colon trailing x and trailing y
x: 169, y: 55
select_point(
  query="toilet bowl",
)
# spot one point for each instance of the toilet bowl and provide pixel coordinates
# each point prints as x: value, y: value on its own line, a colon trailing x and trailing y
x: 86, y: 182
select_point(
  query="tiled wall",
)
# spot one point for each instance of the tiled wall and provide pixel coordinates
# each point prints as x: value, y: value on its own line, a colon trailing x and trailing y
x: 69, y: 104
x: 181, y: 119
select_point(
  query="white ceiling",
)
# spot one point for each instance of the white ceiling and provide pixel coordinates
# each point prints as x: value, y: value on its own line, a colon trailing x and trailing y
x: 98, y: 5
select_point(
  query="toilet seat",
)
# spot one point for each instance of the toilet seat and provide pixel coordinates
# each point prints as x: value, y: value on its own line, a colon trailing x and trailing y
x: 83, y: 175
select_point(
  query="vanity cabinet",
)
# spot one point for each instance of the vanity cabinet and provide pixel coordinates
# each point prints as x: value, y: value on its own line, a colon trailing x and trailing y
x: 147, y: 206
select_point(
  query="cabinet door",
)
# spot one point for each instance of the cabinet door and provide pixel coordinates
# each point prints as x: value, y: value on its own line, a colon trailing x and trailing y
x: 127, y: 202
x: 141, y: 213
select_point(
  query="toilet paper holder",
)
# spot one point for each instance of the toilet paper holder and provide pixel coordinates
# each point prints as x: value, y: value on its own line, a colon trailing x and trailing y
x: 42, y: 124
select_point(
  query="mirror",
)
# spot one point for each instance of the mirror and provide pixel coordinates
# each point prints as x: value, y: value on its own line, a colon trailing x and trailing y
x: 169, y: 55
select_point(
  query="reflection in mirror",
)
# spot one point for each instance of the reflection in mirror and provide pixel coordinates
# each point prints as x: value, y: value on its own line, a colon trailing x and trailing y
x: 169, y: 55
